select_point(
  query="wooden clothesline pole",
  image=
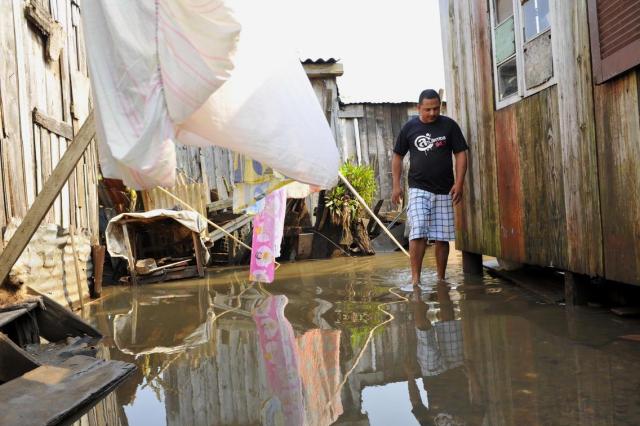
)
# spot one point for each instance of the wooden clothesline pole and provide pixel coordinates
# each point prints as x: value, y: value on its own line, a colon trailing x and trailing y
x: 46, y: 197
x: 372, y: 214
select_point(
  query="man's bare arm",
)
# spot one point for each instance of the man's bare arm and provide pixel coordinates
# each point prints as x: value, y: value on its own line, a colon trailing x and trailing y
x: 461, y: 171
x: 396, y: 174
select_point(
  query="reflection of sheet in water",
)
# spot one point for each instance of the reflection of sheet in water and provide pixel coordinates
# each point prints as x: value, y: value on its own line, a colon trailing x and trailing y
x: 277, y: 345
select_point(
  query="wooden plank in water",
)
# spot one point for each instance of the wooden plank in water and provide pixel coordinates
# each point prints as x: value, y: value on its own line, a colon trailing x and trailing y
x: 51, y: 394
x: 15, y: 360
x: 57, y: 323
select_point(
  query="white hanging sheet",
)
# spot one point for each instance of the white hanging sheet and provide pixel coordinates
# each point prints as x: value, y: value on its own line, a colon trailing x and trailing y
x: 163, y: 71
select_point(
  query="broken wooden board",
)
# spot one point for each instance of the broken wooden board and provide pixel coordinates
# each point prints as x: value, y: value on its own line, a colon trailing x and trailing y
x: 230, y: 227
x: 15, y: 360
x: 57, y: 323
x: 49, y: 395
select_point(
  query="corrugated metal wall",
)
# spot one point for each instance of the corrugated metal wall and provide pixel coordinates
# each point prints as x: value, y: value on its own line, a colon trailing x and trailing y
x: 553, y: 179
x: 35, y: 75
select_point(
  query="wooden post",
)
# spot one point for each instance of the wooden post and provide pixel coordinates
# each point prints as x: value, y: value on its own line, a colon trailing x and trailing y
x: 97, y: 254
x: 46, y: 197
x: 76, y: 266
x: 576, y: 289
x: 130, y: 256
x: 471, y: 263
x: 197, y: 249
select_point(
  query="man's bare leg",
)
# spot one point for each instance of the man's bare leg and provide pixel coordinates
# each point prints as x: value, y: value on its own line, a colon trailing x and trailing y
x: 442, y: 255
x: 416, y: 254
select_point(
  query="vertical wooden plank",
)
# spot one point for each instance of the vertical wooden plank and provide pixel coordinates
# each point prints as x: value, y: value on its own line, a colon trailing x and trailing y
x: 468, y: 113
x: 12, y: 166
x: 22, y: 33
x: 453, y: 48
x: 618, y: 134
x: 509, y: 186
x: 484, y: 121
x: 543, y: 192
x: 572, y: 65
x: 384, y: 165
x: 364, y: 141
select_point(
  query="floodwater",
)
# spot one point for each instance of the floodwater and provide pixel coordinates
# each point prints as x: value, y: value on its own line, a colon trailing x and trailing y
x: 317, y: 348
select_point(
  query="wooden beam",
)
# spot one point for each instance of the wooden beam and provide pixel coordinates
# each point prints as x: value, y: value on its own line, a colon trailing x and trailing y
x: 46, y: 197
x: 48, y: 27
x: 60, y: 128
x: 220, y: 205
x: 230, y: 227
x: 351, y: 111
x: 323, y: 70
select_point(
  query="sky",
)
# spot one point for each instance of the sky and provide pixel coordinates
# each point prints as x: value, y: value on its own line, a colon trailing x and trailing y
x: 390, y: 50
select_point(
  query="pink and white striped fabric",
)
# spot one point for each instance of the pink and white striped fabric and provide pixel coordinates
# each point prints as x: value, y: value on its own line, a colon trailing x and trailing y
x: 168, y: 70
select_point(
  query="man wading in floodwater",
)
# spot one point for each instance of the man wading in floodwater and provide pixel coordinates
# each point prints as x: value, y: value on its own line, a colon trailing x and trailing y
x: 431, y: 139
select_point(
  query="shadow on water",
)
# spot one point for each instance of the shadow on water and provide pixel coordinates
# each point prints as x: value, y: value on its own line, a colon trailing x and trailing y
x: 330, y: 343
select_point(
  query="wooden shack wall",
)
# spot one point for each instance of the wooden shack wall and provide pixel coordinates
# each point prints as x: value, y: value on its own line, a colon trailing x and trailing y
x: 377, y: 126
x: 554, y: 179
x: 31, y: 146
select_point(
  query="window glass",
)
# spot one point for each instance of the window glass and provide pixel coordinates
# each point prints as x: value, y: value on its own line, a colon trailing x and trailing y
x: 535, y: 17
x: 505, y: 40
x: 508, y: 78
x: 504, y: 9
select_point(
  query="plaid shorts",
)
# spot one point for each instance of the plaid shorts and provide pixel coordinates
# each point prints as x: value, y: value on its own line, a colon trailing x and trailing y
x: 440, y: 348
x: 430, y: 216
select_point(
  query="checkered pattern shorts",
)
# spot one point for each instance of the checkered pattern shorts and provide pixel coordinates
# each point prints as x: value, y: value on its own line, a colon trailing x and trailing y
x: 440, y: 348
x: 430, y: 216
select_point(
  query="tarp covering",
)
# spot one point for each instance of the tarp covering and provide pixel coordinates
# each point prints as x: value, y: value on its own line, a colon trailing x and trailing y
x: 115, y: 236
x: 165, y: 70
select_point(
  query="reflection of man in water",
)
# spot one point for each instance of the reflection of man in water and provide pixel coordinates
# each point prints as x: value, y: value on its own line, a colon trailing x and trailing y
x: 451, y: 386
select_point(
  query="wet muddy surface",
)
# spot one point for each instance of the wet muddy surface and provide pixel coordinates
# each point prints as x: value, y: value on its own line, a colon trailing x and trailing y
x: 318, y: 348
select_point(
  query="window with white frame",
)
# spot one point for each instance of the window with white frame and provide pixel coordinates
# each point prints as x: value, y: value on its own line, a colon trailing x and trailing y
x: 522, y: 56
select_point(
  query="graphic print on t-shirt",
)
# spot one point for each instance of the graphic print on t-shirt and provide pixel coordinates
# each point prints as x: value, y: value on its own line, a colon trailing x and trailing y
x: 425, y: 143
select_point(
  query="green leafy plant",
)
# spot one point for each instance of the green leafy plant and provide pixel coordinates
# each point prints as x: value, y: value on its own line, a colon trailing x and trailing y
x: 342, y: 204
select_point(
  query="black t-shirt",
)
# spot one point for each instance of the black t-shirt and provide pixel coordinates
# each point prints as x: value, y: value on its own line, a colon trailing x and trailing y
x: 430, y: 146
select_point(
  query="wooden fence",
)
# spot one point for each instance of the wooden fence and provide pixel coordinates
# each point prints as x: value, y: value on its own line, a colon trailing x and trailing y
x: 44, y: 99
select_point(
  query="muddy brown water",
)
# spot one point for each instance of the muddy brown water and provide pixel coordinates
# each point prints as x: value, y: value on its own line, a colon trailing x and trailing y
x: 316, y: 348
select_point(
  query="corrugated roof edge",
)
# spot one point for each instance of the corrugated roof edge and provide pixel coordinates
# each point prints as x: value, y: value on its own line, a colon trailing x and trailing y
x: 320, y: 60
x: 377, y: 103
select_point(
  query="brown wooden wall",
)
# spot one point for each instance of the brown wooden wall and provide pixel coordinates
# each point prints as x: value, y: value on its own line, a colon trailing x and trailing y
x: 554, y: 179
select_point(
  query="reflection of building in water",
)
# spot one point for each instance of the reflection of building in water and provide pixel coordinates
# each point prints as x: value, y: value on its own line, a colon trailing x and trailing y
x: 235, y: 385
x: 535, y: 370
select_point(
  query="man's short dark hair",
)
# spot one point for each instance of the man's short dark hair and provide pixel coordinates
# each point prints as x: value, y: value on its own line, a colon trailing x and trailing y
x: 428, y: 94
